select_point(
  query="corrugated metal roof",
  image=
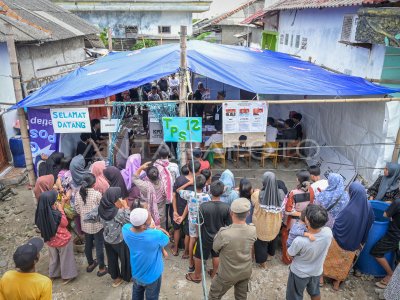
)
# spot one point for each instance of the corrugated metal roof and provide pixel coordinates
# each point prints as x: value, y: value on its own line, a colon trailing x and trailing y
x: 48, y: 17
x: 22, y: 32
x: 299, y: 4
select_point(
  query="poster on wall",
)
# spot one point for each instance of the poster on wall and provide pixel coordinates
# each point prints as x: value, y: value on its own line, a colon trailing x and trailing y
x: 42, y: 136
x: 109, y: 125
x: 70, y: 120
x: 245, y: 117
x: 182, y: 129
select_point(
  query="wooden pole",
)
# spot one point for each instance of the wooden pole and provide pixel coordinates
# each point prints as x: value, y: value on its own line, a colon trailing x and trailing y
x: 109, y: 35
x: 12, y: 53
x: 183, y: 88
x: 396, y: 150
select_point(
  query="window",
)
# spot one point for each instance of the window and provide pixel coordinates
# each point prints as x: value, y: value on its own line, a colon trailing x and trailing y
x: 297, y: 44
x: 286, y: 39
x: 349, y: 28
x: 304, y: 43
x: 164, y: 29
x: 131, y: 31
x: 291, y: 40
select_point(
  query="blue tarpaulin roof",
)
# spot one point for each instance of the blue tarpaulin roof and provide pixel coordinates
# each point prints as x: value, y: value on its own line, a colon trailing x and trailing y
x: 262, y: 72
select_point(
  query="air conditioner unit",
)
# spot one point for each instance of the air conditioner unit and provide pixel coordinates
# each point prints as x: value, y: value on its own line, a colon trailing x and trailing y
x: 349, y: 28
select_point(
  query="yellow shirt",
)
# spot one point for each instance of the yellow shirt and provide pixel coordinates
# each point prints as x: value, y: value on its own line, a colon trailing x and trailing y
x: 16, y: 285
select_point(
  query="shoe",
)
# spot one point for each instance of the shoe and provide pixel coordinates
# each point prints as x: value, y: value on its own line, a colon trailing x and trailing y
x: 93, y: 266
x: 117, y: 282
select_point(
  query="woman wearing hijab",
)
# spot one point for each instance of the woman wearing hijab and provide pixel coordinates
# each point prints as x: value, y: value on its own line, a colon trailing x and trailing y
x: 114, y: 213
x: 267, y: 218
x: 53, y: 164
x: 229, y: 195
x: 132, y: 165
x: 350, y: 233
x: 386, y: 187
x: 52, y: 222
x: 334, y: 198
x: 77, y: 168
x: 86, y: 200
x: 297, y: 200
x: 43, y: 184
x: 115, y: 179
x: 97, y: 170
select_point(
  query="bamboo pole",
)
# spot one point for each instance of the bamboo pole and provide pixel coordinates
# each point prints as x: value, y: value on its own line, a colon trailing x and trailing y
x: 182, y: 88
x: 12, y: 53
x: 396, y: 150
x: 109, y: 36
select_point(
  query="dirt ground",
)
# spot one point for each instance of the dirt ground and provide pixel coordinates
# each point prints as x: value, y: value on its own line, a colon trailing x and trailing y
x: 16, y: 226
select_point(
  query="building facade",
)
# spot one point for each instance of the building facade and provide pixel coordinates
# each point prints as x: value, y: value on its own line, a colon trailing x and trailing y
x: 143, y: 19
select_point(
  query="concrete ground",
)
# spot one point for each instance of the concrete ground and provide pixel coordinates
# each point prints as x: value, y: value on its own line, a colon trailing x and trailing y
x: 16, y: 224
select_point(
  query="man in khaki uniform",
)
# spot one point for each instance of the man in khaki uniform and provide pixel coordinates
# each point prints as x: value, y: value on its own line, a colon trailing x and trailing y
x: 234, y: 245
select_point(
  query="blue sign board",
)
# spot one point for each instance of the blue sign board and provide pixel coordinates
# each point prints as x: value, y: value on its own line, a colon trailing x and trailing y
x: 181, y: 129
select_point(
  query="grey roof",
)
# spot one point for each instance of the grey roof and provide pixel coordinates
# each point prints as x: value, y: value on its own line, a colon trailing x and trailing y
x: 22, y: 32
x: 57, y: 23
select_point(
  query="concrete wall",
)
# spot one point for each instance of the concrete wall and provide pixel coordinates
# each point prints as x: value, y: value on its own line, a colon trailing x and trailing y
x: 33, y: 57
x: 322, y: 28
x: 228, y: 32
x: 147, y: 22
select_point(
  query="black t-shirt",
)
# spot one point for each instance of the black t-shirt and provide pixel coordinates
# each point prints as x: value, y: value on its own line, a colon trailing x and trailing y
x: 213, y: 216
x: 393, y: 212
x: 86, y: 150
x: 299, y: 131
x: 181, y: 203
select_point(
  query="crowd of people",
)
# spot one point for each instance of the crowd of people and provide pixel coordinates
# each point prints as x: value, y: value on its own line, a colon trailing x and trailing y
x: 132, y: 216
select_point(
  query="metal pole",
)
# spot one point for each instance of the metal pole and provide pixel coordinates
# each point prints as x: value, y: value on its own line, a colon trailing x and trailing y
x: 183, y: 88
x: 12, y: 53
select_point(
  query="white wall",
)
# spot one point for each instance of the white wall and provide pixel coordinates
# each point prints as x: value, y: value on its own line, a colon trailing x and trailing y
x: 322, y: 28
x: 6, y: 91
x: 147, y: 22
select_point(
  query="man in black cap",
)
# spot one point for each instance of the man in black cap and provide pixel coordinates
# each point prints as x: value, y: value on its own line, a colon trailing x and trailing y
x: 234, y: 245
x: 24, y: 282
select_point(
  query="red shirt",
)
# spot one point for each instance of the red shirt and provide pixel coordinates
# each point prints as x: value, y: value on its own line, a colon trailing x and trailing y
x: 204, y: 165
x: 63, y: 236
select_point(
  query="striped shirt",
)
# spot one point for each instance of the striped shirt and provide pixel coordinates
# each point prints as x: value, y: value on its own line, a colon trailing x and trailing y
x: 92, y: 200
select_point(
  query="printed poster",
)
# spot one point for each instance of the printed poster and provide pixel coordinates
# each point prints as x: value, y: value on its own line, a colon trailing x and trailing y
x: 245, y: 117
x: 42, y: 137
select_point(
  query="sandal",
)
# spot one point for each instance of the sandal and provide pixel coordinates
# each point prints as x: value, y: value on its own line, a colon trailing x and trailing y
x: 66, y: 281
x: 191, y: 269
x: 381, y: 284
x: 93, y: 266
x: 185, y: 256
x: 189, y: 278
x: 173, y: 252
x: 102, y: 273
x: 117, y: 283
x: 210, y: 272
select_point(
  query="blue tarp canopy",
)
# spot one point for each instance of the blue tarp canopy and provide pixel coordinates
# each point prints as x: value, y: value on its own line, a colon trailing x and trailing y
x: 262, y: 72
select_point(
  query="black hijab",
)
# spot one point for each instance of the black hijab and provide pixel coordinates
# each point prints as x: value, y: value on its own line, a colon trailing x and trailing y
x: 107, y: 208
x: 53, y: 164
x: 47, y: 219
x: 115, y: 179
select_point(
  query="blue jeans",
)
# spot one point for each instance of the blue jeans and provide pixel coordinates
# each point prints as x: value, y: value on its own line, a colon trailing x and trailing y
x: 152, y: 291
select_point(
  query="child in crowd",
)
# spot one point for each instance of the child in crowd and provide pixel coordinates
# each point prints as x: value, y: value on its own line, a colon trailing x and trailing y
x: 185, y: 170
x: 207, y: 174
x: 194, y: 202
x: 139, y: 203
x: 299, y: 228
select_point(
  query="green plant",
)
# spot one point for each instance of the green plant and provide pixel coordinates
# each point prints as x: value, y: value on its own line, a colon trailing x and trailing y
x: 104, y: 36
x: 146, y: 43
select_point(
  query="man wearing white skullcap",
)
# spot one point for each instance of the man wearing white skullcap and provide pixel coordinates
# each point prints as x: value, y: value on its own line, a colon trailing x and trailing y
x: 145, y: 245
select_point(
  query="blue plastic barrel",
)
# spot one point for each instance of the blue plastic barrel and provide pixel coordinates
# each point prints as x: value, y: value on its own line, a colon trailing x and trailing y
x: 366, y: 263
x: 17, y: 151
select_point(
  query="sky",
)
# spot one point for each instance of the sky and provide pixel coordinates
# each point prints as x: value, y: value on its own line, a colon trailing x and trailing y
x: 219, y: 7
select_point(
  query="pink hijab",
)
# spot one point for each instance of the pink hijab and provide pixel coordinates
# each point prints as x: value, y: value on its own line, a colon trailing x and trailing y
x: 101, y: 184
x: 132, y: 165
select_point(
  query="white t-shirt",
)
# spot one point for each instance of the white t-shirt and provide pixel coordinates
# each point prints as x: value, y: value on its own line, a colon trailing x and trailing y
x: 309, y: 256
x: 319, y: 186
x: 215, y: 138
x: 173, y: 83
x: 272, y: 133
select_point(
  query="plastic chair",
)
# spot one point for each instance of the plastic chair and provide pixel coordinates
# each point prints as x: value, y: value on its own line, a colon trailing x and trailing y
x: 273, y: 155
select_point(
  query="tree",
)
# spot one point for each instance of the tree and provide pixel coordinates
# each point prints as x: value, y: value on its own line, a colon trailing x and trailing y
x: 104, y: 36
x: 144, y: 43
